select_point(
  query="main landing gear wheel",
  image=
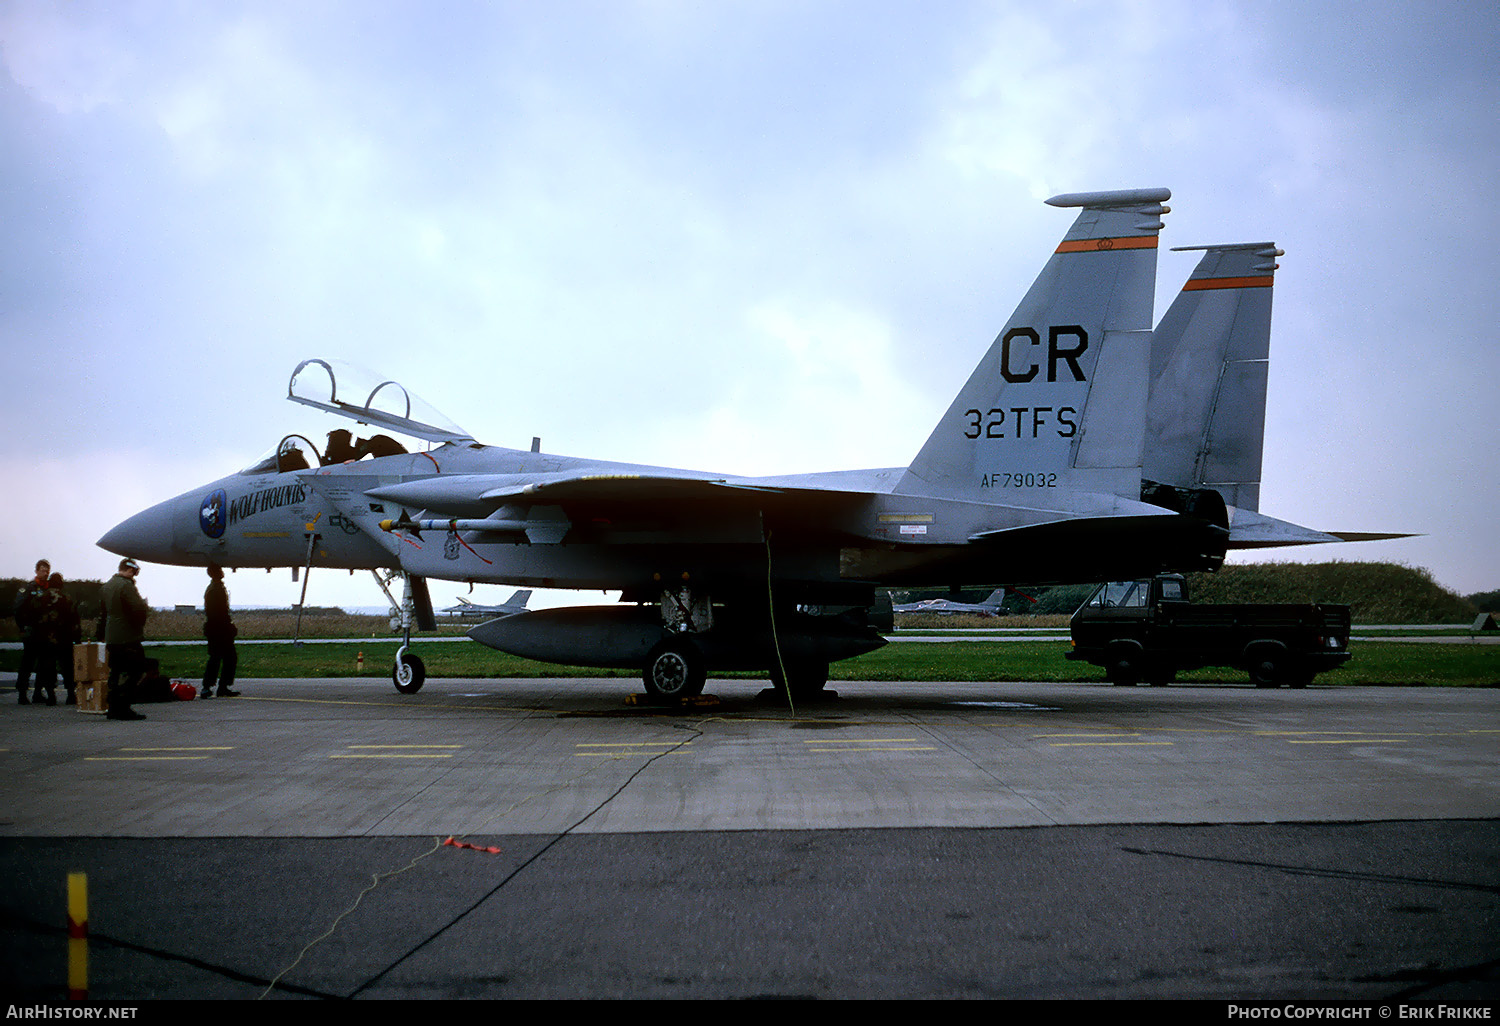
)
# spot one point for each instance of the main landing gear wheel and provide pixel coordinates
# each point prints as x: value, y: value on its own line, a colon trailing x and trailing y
x: 409, y: 673
x: 803, y: 680
x: 674, y: 669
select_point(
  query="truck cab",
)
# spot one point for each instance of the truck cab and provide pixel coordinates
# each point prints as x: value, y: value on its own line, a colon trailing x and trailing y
x: 1146, y: 630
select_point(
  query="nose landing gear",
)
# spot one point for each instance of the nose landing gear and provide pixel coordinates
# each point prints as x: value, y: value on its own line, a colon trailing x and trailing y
x: 408, y: 672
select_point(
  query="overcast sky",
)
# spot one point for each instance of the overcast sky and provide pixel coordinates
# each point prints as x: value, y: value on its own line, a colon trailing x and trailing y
x: 755, y: 237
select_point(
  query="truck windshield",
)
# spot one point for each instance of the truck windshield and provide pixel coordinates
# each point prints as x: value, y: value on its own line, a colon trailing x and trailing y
x: 1121, y: 594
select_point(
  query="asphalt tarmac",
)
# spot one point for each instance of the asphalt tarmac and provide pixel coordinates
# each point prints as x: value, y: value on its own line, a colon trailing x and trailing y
x: 905, y: 840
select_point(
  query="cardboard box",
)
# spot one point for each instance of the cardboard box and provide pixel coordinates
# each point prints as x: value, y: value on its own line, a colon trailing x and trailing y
x: 90, y: 662
x: 93, y: 696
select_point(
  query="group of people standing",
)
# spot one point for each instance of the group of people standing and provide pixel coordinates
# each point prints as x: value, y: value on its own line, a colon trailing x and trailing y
x: 50, y: 626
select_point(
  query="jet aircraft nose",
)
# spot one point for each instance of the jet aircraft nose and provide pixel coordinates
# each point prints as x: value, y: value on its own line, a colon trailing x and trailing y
x: 147, y: 535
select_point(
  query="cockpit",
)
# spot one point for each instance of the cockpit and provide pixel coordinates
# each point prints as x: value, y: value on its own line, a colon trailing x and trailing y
x: 297, y: 452
x: 347, y: 390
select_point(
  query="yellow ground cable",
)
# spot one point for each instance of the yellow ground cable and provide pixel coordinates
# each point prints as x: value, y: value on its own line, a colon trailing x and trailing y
x: 786, y: 682
x: 437, y: 843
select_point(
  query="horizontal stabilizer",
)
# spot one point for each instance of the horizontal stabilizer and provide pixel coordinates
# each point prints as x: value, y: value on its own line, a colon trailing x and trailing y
x: 1251, y: 530
x: 1361, y: 536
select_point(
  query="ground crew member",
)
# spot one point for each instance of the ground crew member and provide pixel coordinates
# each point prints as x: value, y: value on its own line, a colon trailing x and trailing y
x: 28, y: 606
x: 220, y: 631
x: 58, y: 628
x: 124, y: 614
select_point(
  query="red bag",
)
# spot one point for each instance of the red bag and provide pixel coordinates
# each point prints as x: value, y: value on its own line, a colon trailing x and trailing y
x: 183, y: 691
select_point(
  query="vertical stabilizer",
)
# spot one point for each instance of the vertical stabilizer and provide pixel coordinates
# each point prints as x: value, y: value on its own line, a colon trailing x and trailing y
x: 1205, y: 418
x: 1059, y: 401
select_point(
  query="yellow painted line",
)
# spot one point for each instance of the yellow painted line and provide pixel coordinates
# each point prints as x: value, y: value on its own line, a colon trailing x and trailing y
x: 402, y: 746
x: 630, y: 744
x: 1299, y: 733
x: 1117, y: 733
x: 1354, y: 741
x: 143, y: 758
x: 397, y: 755
x: 857, y: 740
x: 1108, y: 744
x: 206, y: 748
x: 910, y: 748
x: 1384, y: 733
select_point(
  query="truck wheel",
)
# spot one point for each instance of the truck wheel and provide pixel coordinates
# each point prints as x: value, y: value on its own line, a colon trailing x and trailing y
x: 1266, y: 670
x: 1300, y: 678
x: 1122, y: 671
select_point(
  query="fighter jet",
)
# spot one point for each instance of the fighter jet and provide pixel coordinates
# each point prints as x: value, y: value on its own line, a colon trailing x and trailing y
x: 465, y: 609
x: 989, y: 607
x: 1033, y: 473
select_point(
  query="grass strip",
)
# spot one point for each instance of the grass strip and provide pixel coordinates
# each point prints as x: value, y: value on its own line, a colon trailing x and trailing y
x: 1375, y: 663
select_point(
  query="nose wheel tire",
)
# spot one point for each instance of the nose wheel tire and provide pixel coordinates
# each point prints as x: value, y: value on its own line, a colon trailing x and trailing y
x: 409, y: 673
x: 674, y: 669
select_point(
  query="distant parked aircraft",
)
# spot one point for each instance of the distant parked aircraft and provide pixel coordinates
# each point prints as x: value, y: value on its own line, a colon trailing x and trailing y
x: 510, y: 607
x: 989, y: 607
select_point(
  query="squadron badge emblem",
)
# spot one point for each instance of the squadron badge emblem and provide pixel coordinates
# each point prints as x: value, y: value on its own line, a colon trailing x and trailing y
x: 212, y: 515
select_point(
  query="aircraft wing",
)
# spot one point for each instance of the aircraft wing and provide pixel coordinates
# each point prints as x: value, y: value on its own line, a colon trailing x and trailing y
x: 469, y: 494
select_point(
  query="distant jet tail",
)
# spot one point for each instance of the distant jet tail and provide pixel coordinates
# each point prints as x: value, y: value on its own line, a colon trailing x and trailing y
x: 520, y: 598
x: 1058, y: 404
x: 1206, y: 413
x: 996, y: 599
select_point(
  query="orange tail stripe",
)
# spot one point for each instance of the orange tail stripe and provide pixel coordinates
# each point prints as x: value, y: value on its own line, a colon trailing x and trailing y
x: 1200, y: 284
x: 1105, y: 245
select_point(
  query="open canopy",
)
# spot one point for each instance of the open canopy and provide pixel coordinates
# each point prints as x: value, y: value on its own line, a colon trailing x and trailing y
x: 361, y: 395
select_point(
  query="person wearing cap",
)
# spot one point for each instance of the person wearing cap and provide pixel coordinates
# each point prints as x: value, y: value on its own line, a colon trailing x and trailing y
x: 28, y: 607
x: 220, y: 631
x: 125, y: 614
x: 59, y: 629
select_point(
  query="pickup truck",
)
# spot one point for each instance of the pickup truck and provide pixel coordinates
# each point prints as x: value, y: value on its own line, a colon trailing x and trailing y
x: 1147, y: 630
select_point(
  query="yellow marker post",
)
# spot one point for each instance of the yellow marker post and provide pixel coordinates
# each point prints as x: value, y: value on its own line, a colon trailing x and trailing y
x: 78, y: 937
